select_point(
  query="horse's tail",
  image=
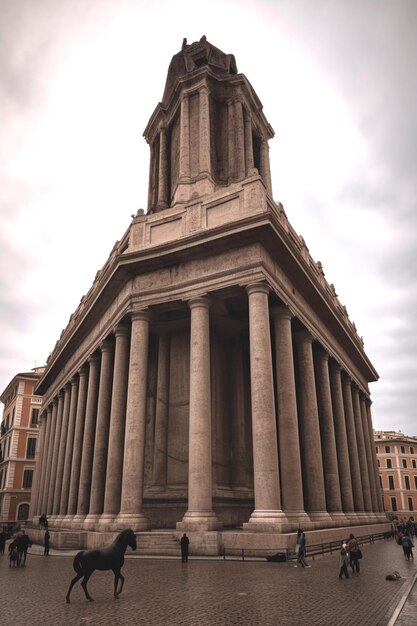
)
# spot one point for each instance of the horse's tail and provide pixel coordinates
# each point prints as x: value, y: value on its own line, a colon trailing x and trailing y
x: 77, y: 562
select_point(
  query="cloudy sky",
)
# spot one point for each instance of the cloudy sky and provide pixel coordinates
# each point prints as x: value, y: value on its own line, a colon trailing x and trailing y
x: 337, y: 78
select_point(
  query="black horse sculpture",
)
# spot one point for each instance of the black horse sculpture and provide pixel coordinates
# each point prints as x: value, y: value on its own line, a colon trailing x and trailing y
x: 111, y: 557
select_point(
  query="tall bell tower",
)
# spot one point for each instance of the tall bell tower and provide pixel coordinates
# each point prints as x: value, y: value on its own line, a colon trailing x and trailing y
x: 208, y: 132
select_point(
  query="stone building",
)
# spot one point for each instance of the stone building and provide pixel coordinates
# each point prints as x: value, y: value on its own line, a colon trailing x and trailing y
x: 397, y: 462
x: 210, y: 378
x: 18, y: 446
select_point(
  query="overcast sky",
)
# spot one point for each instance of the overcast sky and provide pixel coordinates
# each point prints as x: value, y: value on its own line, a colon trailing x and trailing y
x: 79, y: 80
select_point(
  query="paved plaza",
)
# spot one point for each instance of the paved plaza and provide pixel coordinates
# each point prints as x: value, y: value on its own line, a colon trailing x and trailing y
x: 211, y: 592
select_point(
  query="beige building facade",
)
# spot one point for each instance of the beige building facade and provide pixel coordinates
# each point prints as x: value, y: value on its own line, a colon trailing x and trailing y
x: 210, y: 380
x: 397, y: 462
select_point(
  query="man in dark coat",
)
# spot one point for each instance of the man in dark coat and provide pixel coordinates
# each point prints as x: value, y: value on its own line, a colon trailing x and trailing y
x: 23, y: 543
x: 46, y: 543
x: 184, y: 548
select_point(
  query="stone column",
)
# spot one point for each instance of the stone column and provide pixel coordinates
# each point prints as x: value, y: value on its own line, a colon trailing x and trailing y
x: 101, y: 441
x: 352, y: 446
x: 288, y: 436
x: 204, y: 129
x: 184, y: 166
x: 44, y: 459
x: 84, y: 488
x: 131, y: 514
x: 113, y: 488
x: 369, y: 450
x: 55, y: 448
x: 311, y: 450
x: 200, y: 515
x: 366, y: 490
x: 328, y: 439
x: 63, y: 505
x: 249, y: 163
x: 341, y: 440
x: 267, y: 516
x: 34, y: 496
x: 240, y: 140
x: 152, y: 200
x: 78, y: 445
x: 264, y: 165
x: 241, y: 472
x: 159, y: 474
x: 61, y: 451
x: 49, y: 453
x: 163, y: 170
x: 374, y: 459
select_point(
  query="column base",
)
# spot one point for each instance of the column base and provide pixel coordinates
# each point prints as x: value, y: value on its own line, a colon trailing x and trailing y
x: 320, y: 519
x: 136, y: 521
x: 107, y: 522
x: 298, y: 519
x: 267, y: 521
x: 91, y: 521
x: 199, y: 520
x: 339, y: 518
x: 77, y: 522
x: 66, y: 521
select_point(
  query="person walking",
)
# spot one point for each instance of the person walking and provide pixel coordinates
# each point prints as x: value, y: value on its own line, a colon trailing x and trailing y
x: 343, y: 563
x: 23, y: 544
x: 354, y: 553
x: 407, y: 547
x: 2, y: 541
x: 46, y: 543
x: 300, y: 549
x: 185, y: 542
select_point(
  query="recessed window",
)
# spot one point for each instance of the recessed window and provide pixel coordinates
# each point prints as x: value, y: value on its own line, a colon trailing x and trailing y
x: 402, y: 449
x: 410, y: 504
x: 31, y: 448
x: 411, y: 450
x: 391, y: 482
x: 413, y: 463
x: 393, y: 504
x: 404, y: 462
x: 34, y: 417
x: 407, y: 482
x: 387, y: 449
x: 389, y: 463
x: 27, y: 479
x: 415, y: 481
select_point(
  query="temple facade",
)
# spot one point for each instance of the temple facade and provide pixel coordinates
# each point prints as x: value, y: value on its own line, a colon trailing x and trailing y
x: 210, y: 381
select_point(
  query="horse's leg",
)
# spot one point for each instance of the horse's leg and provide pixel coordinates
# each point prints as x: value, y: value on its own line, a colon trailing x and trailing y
x: 72, y: 583
x: 118, y: 576
x: 84, y: 586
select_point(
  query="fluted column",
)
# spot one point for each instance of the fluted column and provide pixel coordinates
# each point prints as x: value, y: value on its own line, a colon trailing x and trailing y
x: 240, y: 140
x: 113, y: 486
x: 352, y: 446
x: 184, y: 166
x: 288, y: 436
x: 200, y: 515
x: 49, y: 452
x: 311, y: 450
x: 63, y: 505
x: 152, y: 189
x: 327, y: 435
x: 268, y: 515
x: 374, y: 459
x: 61, y: 450
x: 131, y: 514
x: 78, y: 445
x: 366, y: 490
x: 84, y: 488
x: 163, y: 170
x: 204, y: 130
x: 249, y: 163
x: 101, y: 441
x: 159, y: 474
x: 54, y: 463
x: 34, y: 496
x: 369, y: 451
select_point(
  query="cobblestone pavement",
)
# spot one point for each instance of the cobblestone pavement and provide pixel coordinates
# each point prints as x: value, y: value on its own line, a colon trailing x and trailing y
x: 209, y: 592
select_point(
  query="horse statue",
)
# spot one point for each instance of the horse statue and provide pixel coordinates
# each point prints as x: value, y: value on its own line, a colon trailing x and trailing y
x: 111, y: 557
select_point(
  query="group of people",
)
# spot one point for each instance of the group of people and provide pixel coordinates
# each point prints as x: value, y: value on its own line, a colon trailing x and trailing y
x: 350, y: 555
x: 18, y: 549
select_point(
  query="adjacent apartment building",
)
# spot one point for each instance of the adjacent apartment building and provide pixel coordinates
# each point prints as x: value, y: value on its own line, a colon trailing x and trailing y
x: 18, y: 439
x: 397, y: 463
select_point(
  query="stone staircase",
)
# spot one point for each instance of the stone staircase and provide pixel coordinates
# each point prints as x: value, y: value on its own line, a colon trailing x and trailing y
x: 157, y: 543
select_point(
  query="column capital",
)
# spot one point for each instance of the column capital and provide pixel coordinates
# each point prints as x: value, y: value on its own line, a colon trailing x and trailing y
x: 259, y: 287
x: 303, y: 336
x: 143, y: 314
x: 82, y: 372
x: 106, y: 345
x: 199, y: 301
x: 281, y: 312
x: 93, y: 358
x: 74, y: 381
x: 321, y: 352
x: 335, y: 366
x: 121, y: 329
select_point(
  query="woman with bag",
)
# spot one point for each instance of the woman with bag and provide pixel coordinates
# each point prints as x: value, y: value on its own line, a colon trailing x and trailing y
x: 300, y: 549
x: 354, y: 553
